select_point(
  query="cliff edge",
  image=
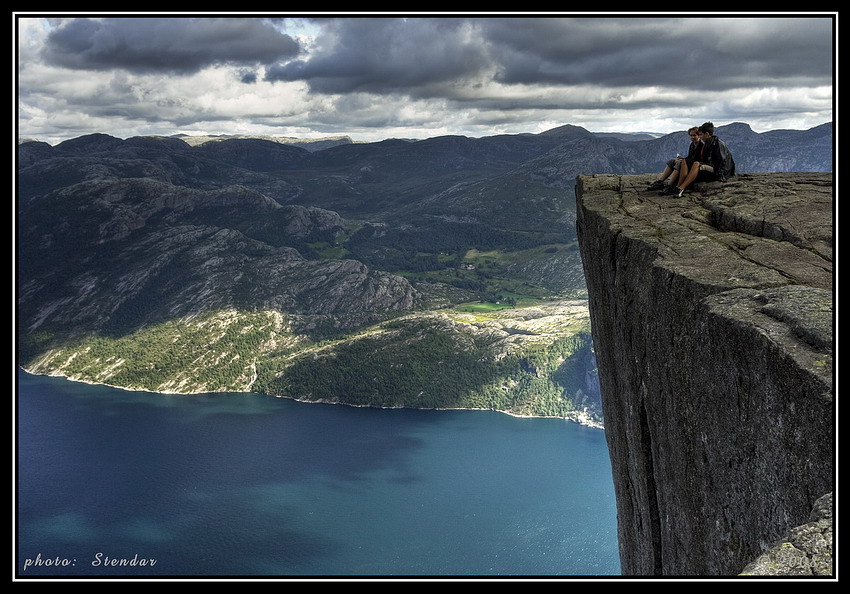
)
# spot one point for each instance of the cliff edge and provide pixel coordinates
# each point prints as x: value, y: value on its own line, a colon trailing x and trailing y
x: 712, y: 320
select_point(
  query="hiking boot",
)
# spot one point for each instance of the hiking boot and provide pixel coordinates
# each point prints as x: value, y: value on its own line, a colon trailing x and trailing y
x: 669, y: 190
x: 655, y: 186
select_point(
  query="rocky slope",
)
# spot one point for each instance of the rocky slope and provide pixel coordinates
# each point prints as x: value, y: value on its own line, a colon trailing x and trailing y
x: 712, y: 319
x: 116, y: 254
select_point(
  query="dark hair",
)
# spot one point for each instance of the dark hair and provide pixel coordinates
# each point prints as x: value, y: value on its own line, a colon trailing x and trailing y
x: 692, y: 129
x: 707, y: 127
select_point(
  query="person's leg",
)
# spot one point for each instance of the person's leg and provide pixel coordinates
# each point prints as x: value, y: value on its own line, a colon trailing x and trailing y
x: 689, y: 177
x: 660, y: 180
x: 681, y: 175
x: 674, y: 176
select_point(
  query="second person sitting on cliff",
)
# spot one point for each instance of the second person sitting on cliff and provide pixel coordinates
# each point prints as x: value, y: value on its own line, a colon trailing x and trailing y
x: 670, y: 175
x: 713, y: 163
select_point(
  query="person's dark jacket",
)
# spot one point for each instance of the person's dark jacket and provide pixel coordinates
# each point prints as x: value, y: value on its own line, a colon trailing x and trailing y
x: 695, y: 153
x: 718, y: 155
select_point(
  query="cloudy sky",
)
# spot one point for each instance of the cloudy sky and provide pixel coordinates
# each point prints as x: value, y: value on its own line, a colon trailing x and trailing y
x: 379, y: 76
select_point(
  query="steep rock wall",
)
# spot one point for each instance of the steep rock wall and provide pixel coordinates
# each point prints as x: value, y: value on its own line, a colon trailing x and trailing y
x: 712, y: 322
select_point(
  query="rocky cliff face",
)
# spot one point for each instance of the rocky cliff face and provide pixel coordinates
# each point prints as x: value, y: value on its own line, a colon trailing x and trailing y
x: 712, y: 320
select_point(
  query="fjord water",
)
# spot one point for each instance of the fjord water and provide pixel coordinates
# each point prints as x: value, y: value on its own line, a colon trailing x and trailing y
x: 251, y: 485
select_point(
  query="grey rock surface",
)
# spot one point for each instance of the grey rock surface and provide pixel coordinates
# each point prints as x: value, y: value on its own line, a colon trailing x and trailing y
x: 805, y: 550
x: 712, y: 318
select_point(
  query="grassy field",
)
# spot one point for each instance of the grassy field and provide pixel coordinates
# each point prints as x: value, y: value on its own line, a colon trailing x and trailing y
x: 482, y: 307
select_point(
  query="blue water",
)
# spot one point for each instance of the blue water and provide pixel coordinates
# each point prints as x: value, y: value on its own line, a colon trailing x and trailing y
x: 250, y: 485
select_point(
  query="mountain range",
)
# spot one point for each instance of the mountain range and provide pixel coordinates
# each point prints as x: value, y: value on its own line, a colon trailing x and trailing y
x: 248, y: 263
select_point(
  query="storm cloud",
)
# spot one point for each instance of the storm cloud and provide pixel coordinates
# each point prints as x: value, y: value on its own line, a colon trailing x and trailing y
x: 418, y: 55
x: 381, y: 76
x: 144, y: 45
x: 698, y: 53
x: 391, y: 55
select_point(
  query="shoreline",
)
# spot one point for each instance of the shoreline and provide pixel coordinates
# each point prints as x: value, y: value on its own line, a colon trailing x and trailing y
x: 579, y: 418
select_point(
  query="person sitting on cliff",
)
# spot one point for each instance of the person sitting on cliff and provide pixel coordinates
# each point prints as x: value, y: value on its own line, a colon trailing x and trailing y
x: 670, y: 174
x: 715, y: 163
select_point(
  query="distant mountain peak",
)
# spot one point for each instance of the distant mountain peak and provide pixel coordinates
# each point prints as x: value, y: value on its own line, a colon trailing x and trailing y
x: 567, y: 130
x: 311, y: 144
x: 90, y: 142
x: 737, y: 128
